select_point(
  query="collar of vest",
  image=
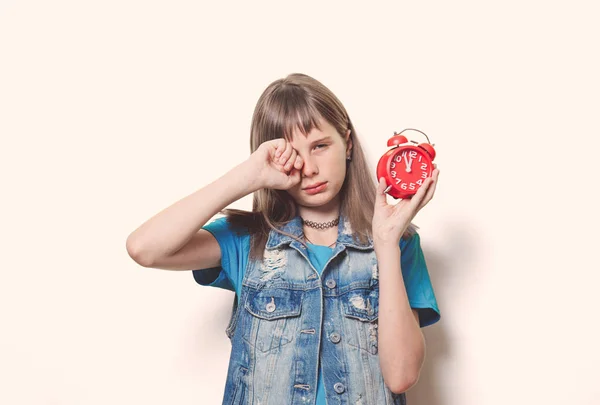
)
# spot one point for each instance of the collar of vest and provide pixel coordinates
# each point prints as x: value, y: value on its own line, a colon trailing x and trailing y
x: 294, y: 227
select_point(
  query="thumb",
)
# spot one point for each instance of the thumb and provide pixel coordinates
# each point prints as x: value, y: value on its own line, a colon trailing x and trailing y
x: 294, y: 177
x: 380, y: 196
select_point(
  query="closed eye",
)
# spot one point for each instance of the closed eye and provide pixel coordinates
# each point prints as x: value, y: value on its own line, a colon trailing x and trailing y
x: 321, y: 144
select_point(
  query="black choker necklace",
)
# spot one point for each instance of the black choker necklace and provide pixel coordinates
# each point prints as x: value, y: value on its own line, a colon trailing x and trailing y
x: 321, y: 225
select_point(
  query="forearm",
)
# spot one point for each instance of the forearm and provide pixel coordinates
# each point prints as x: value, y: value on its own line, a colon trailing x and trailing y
x: 169, y: 230
x: 401, y: 343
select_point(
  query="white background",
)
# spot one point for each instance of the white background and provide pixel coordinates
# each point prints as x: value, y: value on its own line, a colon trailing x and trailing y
x: 112, y: 110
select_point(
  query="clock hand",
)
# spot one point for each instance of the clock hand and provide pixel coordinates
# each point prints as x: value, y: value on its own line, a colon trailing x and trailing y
x: 408, y: 164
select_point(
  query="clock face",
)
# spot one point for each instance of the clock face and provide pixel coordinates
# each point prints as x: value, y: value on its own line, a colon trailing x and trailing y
x: 406, y: 169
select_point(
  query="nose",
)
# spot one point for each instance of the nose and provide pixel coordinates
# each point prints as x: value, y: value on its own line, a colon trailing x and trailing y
x: 310, y: 167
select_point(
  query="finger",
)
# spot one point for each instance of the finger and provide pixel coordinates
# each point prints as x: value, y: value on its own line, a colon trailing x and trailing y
x: 383, y: 183
x: 298, y: 163
x: 380, y: 194
x: 417, y: 199
x: 285, y: 155
x: 293, y: 178
x: 290, y: 162
x: 279, y: 147
x: 431, y: 189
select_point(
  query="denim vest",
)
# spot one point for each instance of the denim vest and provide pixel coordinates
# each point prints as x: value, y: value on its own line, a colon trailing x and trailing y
x: 287, y: 315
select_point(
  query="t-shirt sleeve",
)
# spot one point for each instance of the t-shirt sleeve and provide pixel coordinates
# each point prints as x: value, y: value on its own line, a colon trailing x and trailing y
x: 234, y: 245
x: 416, y: 279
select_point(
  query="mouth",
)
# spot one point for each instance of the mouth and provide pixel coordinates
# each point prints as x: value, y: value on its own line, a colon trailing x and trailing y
x: 312, y: 186
x: 315, y: 188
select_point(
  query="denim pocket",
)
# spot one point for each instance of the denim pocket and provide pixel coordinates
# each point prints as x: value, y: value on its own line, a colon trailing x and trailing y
x: 361, y: 310
x: 272, y: 317
x: 361, y: 304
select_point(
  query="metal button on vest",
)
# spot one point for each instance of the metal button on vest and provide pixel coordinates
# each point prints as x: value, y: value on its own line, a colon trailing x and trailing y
x: 335, y: 337
x: 330, y: 283
x: 271, y: 305
x: 339, y: 388
x: 373, y: 349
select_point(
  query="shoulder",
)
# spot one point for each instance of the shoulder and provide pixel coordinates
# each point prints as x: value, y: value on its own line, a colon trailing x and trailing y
x: 410, y: 241
x: 224, y: 224
x: 233, y: 240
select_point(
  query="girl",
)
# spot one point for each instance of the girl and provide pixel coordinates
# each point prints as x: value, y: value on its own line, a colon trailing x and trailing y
x: 331, y: 286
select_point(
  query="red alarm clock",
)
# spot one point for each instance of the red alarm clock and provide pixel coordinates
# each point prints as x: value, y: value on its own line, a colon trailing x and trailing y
x: 406, y: 165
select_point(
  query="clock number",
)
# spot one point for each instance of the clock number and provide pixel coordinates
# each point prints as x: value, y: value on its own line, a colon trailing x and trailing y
x: 403, y: 186
x: 424, y: 166
x: 424, y: 175
x: 393, y: 173
x: 420, y: 157
x: 398, y: 158
x: 393, y: 165
x: 398, y: 180
x: 413, y: 154
x: 420, y: 182
x: 411, y: 186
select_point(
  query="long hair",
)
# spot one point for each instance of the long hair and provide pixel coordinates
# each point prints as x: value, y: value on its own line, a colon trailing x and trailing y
x: 300, y: 101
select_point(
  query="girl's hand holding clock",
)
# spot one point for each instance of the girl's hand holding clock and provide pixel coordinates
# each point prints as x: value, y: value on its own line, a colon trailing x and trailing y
x: 391, y: 221
x: 276, y: 165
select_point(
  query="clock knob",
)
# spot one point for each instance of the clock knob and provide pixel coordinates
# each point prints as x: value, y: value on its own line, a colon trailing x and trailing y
x: 397, y: 139
x: 429, y: 149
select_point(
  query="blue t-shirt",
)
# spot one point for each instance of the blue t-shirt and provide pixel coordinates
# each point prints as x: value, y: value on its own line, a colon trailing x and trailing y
x: 318, y: 256
x: 235, y: 250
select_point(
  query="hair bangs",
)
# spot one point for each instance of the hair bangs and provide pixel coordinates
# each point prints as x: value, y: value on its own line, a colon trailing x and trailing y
x: 296, y: 112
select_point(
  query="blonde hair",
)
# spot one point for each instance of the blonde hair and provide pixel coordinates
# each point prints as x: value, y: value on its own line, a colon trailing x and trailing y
x: 300, y: 101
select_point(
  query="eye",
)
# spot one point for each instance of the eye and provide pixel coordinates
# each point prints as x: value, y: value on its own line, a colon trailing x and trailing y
x: 321, y: 145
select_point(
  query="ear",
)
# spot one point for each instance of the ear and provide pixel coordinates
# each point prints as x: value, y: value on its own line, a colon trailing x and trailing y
x: 348, y: 141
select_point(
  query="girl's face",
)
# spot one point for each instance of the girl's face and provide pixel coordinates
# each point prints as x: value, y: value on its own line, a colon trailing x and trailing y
x: 324, y: 154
